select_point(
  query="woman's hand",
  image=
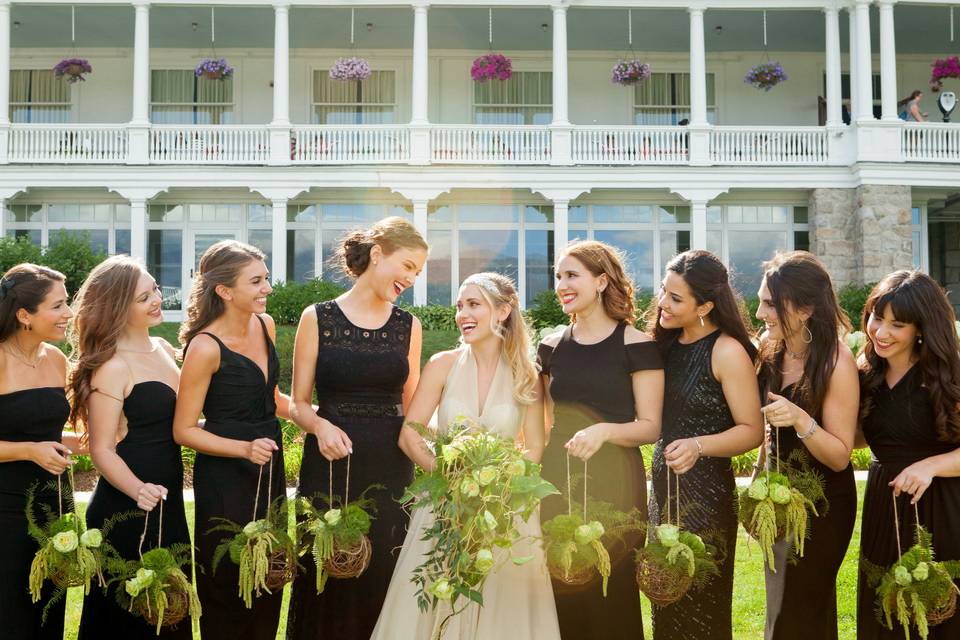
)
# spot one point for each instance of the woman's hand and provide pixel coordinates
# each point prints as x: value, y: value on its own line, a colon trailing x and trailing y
x: 587, y: 442
x: 260, y: 451
x: 914, y: 480
x: 783, y: 413
x: 681, y: 455
x: 149, y: 495
x: 332, y: 441
x: 52, y: 456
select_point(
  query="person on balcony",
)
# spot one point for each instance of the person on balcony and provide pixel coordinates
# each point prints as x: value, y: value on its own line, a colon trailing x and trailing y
x: 909, y: 108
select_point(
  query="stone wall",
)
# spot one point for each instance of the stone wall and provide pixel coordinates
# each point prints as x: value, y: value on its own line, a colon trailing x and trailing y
x: 833, y: 232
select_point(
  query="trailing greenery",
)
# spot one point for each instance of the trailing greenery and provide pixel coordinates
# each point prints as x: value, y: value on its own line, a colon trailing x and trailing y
x: 680, y: 553
x: 913, y: 588
x: 289, y: 299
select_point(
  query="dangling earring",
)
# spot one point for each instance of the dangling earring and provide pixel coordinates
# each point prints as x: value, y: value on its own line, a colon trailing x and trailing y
x: 701, y: 320
x: 919, y: 339
x: 806, y: 334
x: 599, y: 296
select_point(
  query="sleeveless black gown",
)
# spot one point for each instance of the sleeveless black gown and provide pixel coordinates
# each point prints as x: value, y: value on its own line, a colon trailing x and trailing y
x: 152, y: 455
x: 239, y: 405
x: 802, y: 595
x: 29, y: 415
x: 900, y: 431
x: 694, y: 405
x: 591, y: 384
x: 359, y: 381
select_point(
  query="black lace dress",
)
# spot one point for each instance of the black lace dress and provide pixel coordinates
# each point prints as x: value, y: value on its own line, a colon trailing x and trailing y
x: 239, y: 405
x: 29, y: 415
x: 590, y: 384
x: 359, y: 380
x: 694, y: 405
x: 900, y: 431
x: 151, y: 454
x: 802, y: 594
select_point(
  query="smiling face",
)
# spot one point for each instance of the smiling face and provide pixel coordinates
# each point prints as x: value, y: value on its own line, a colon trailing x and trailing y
x: 677, y: 304
x: 576, y: 286
x: 391, y: 275
x: 49, y: 323
x: 249, y: 292
x: 475, y: 317
x: 777, y: 327
x: 891, y: 338
x: 144, y: 311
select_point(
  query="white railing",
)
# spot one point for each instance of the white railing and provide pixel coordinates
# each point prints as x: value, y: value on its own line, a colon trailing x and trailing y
x: 485, y: 144
x: 359, y: 144
x: 67, y: 143
x: 931, y: 142
x: 630, y: 145
x: 768, y: 145
x: 215, y: 144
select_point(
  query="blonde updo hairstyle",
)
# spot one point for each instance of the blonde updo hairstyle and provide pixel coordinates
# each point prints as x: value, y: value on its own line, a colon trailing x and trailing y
x: 498, y: 291
x: 600, y: 258
x: 390, y: 234
x: 220, y: 265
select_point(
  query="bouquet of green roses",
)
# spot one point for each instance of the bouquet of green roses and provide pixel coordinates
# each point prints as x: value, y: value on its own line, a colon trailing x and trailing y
x: 479, y: 489
x: 262, y: 548
x: 917, y: 590
x: 337, y: 537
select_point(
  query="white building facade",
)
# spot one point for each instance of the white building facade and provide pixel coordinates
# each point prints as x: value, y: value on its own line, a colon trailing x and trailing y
x: 151, y: 160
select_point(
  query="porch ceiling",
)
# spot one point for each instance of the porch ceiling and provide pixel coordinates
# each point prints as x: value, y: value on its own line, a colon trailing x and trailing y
x: 919, y: 29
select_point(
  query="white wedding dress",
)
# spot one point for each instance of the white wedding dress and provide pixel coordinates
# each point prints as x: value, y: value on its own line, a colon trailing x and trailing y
x: 517, y: 600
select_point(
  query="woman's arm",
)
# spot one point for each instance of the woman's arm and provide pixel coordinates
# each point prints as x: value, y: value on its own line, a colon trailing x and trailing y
x: 534, y: 437
x: 424, y: 403
x: 915, y: 112
x: 199, y: 364
x: 917, y: 477
x: 52, y: 456
x: 413, y: 360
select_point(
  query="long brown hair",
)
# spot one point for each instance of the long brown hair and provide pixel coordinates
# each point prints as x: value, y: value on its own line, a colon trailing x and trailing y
x: 709, y: 281
x: 220, y: 264
x: 392, y: 233
x: 101, y: 309
x: 600, y: 258
x: 23, y: 286
x: 799, y: 279
x: 915, y: 298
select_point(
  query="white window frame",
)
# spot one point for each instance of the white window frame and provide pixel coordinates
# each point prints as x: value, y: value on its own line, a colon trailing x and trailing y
x: 69, y: 104
x: 922, y: 229
x: 234, y: 114
x: 312, y: 106
x: 48, y: 228
x: 474, y: 105
x: 713, y: 110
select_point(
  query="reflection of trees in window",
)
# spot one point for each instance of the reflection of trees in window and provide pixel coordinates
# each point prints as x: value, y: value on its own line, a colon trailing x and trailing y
x: 370, y: 101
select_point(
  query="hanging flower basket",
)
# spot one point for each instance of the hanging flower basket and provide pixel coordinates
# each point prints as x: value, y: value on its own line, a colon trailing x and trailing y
x: 943, y: 69
x: 630, y: 72
x: 350, y: 69
x: 214, y: 69
x: 72, y: 69
x: 766, y: 75
x: 493, y: 66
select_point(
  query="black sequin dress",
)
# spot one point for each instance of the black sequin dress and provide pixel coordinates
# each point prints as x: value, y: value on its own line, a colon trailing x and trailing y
x: 693, y: 406
x: 591, y: 383
x: 900, y: 431
x: 359, y: 381
x: 29, y: 415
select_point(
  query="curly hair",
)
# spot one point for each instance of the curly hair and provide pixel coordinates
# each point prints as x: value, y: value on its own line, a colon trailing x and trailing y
x: 600, y: 258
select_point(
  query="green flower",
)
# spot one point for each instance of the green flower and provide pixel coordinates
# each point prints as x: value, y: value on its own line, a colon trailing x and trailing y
x: 91, y: 538
x: 668, y: 534
x: 486, y: 475
x: 779, y: 494
x: 65, y: 541
x: 902, y: 575
x: 470, y: 487
x: 441, y: 589
x: 484, y: 561
x: 145, y: 576
x: 758, y: 489
x: 489, y: 520
x: 133, y: 587
x: 449, y: 453
x: 332, y: 517
x: 921, y: 572
x: 255, y: 528
x: 517, y: 468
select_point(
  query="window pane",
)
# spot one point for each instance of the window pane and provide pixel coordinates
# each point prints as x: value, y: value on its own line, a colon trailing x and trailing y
x: 678, y: 215
x: 331, y: 272
x: 165, y: 262
x: 715, y: 242
x: 672, y: 243
x: 748, y: 251
x: 440, y: 214
x: 489, y: 250
x: 352, y: 214
x: 577, y: 214
x: 262, y: 239
x: 32, y: 234
x: 800, y: 215
x: 302, y: 213
x: 538, y: 213
x: 539, y: 258
x: 917, y: 257
x: 300, y: 255
x: 801, y: 241
x: 622, y: 213
x: 98, y: 238
x: 488, y: 213
x: 259, y: 213
x: 714, y: 215
x: 166, y: 213
x: 25, y: 213
x: 915, y: 215
x: 438, y: 267
x: 637, y: 246
x: 122, y: 241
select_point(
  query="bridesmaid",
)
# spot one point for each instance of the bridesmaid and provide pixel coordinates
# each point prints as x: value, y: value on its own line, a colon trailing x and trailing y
x: 910, y: 372
x: 124, y: 391
x: 711, y: 412
x: 230, y: 372
x: 362, y: 354
x: 605, y: 384
x: 33, y: 448
x: 810, y: 378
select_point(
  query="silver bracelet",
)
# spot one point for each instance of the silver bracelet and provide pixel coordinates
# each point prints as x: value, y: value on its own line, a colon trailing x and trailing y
x: 699, y: 447
x: 813, y: 427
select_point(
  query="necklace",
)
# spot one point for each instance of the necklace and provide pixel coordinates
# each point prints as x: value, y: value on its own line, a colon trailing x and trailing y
x: 795, y: 355
x: 22, y: 357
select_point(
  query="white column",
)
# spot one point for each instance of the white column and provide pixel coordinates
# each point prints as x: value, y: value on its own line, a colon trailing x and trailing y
x: 560, y: 83
x: 420, y: 222
x: 278, y: 244
x: 421, y: 72
x: 3, y: 217
x: 698, y: 223
x: 888, y: 62
x: 833, y: 93
x: 141, y: 63
x: 280, y: 125
x: 864, y: 69
x: 4, y: 81
x: 561, y: 226
x: 852, y: 60
x: 698, y: 69
x: 138, y: 228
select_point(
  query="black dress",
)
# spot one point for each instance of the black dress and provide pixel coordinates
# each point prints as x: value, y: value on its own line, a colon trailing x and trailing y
x: 590, y: 384
x: 29, y: 415
x: 693, y: 406
x: 239, y: 405
x: 802, y: 595
x: 900, y: 431
x: 359, y: 380
x: 151, y: 454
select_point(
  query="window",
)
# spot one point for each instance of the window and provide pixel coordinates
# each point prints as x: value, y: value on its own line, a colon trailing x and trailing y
x: 106, y: 225
x: 918, y: 234
x: 845, y: 92
x: 371, y: 101
x: 180, y: 97
x: 526, y: 98
x: 36, y: 95
x: 664, y: 99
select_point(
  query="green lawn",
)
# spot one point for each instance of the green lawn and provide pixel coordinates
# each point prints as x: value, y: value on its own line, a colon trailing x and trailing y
x: 748, y: 590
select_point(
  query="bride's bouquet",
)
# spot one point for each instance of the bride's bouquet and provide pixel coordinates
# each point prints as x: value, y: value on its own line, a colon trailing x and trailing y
x: 479, y: 489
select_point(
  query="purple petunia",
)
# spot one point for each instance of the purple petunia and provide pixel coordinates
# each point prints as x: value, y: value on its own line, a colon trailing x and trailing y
x: 493, y: 66
x: 629, y: 72
x: 350, y: 69
x: 766, y: 75
x: 943, y: 69
x: 73, y: 69
x: 213, y: 68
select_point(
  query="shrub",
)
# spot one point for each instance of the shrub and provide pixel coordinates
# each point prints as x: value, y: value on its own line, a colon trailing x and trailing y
x: 73, y: 256
x: 546, y: 311
x: 852, y: 299
x: 16, y: 251
x: 289, y: 299
x: 435, y: 317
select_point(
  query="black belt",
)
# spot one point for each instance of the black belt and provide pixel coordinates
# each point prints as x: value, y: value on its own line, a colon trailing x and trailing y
x: 351, y: 409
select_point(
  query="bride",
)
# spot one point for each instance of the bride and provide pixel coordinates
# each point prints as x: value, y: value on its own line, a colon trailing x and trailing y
x: 491, y: 379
